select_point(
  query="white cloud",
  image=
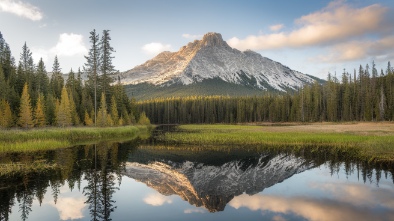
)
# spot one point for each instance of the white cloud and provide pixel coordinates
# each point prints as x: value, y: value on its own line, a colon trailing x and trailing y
x: 349, y: 51
x: 338, y: 22
x: 21, y: 9
x: 317, y: 209
x: 192, y: 37
x: 277, y: 27
x: 69, y: 45
x: 358, y: 194
x: 70, y: 208
x: 155, y: 48
x: 157, y: 199
x: 38, y: 53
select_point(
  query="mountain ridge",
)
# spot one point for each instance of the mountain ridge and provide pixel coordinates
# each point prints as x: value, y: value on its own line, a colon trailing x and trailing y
x: 212, y: 58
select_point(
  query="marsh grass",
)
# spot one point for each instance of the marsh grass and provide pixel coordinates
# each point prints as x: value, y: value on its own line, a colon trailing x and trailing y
x: 10, y: 169
x: 52, y: 138
x: 362, y: 145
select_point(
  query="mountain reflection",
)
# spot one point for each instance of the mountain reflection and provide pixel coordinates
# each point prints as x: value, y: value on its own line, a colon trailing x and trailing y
x: 213, y: 186
x: 206, y: 178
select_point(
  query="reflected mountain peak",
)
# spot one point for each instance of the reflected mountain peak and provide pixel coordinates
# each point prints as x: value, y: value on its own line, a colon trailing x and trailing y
x: 213, y: 186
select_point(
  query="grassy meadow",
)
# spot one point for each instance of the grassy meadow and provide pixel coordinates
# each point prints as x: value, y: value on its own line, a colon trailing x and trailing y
x: 52, y: 138
x: 363, y: 141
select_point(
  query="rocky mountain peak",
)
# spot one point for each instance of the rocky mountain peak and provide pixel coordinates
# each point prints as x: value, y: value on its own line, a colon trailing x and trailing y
x: 213, y: 39
x: 211, y: 58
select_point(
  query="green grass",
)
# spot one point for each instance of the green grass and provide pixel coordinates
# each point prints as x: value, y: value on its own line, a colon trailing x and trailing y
x: 25, y: 168
x: 52, y: 138
x: 367, y: 146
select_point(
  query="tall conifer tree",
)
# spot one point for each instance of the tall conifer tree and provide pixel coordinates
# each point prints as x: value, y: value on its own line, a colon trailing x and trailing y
x: 57, y: 80
x: 106, y: 67
x: 114, y: 111
x: 39, y: 113
x: 92, y: 67
x: 102, y: 113
x: 63, y: 116
x: 25, y: 112
x: 6, y: 120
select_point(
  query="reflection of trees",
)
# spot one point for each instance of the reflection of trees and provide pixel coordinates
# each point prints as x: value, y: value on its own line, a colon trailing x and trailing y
x: 22, y: 187
x: 101, y: 182
x: 25, y: 200
x: 91, y: 192
x: 73, y: 165
x: 6, y: 203
x: 101, y: 167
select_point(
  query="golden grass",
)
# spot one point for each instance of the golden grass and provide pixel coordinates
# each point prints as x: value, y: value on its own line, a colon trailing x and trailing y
x: 52, y: 138
x: 366, y: 141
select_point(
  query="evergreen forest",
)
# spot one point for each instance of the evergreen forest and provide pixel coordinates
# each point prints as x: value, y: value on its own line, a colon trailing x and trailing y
x: 365, y: 95
x: 31, y: 97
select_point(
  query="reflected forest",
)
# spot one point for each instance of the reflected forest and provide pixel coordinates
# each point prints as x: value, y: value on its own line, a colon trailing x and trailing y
x: 102, y: 166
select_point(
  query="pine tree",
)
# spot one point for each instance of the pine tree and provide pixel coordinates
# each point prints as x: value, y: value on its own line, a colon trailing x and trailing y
x: 3, y: 84
x: 63, y: 116
x: 50, y: 109
x: 106, y: 67
x: 92, y: 66
x: 102, y: 112
x: 74, y: 115
x: 8, y: 120
x: 39, y: 114
x: 57, y: 80
x: 7, y: 61
x: 109, y: 122
x: 88, y: 120
x: 25, y: 113
x: 121, y: 121
x: 2, y: 118
x: 26, y: 59
x: 42, y: 78
x: 144, y: 120
x: 114, y: 111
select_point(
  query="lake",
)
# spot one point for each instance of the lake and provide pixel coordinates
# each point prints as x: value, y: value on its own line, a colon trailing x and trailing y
x: 149, y: 180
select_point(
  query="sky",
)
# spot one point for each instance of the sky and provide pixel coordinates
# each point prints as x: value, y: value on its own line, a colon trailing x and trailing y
x: 310, y: 36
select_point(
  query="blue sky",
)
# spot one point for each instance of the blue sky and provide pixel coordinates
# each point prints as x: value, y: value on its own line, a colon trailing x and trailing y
x: 310, y: 36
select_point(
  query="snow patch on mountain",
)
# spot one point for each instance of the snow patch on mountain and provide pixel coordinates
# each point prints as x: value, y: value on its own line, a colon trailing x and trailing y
x: 212, y: 58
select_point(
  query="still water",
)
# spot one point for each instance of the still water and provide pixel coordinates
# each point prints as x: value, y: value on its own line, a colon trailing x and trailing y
x: 137, y: 180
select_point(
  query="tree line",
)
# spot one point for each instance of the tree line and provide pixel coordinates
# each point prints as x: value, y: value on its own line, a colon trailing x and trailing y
x: 365, y: 95
x: 31, y: 97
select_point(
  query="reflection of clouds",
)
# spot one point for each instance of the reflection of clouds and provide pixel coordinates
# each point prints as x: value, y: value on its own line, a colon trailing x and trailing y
x: 311, y: 209
x: 196, y: 210
x: 70, y: 208
x: 157, y: 199
x: 358, y: 194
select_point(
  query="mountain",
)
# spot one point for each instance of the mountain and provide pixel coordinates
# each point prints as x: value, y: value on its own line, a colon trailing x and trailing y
x: 203, y: 64
x: 214, y: 184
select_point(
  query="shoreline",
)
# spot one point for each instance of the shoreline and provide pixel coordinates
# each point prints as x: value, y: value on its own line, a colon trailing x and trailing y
x: 19, y: 140
x: 372, y: 142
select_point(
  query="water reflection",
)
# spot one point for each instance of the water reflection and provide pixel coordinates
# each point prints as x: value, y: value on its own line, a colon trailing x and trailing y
x: 342, y: 201
x: 98, y: 165
x: 86, y: 183
x: 213, y: 186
